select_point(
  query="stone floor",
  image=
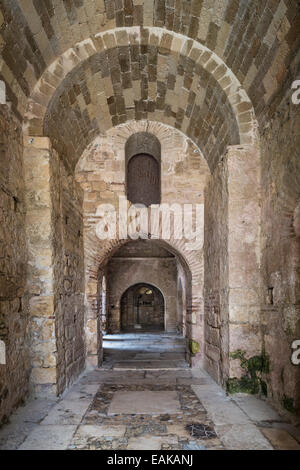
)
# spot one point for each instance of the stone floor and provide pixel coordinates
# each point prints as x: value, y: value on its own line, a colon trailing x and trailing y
x: 149, y: 408
x: 144, y: 350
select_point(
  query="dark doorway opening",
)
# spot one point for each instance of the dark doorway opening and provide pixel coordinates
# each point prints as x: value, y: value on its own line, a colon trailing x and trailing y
x: 142, y: 308
x: 143, y: 180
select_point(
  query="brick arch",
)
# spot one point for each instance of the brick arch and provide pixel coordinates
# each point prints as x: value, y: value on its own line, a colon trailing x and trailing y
x: 129, y: 285
x: 255, y: 39
x: 100, y: 254
x: 164, y: 133
x: 107, y: 80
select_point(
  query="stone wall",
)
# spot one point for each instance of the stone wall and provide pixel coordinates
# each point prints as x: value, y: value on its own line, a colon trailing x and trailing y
x: 68, y: 274
x: 39, y: 232
x: 280, y: 243
x: 14, y: 364
x: 244, y: 277
x: 216, y: 274
x: 232, y: 263
x: 56, y: 275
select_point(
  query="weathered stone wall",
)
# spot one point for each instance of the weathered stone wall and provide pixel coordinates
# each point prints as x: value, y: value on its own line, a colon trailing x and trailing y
x: 232, y: 263
x: 182, y: 289
x: 280, y: 243
x: 67, y: 201
x: 216, y: 336
x: 39, y: 230
x: 244, y: 216
x: 55, y: 241
x: 123, y: 273
x: 14, y: 364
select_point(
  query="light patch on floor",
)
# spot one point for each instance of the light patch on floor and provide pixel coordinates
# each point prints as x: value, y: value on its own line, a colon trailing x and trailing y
x: 145, y: 402
x: 142, y: 351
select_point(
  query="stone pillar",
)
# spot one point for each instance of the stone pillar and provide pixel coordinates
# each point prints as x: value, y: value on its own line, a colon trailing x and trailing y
x: 37, y: 154
x: 92, y: 328
x: 232, y: 263
x: 243, y: 253
x: 216, y: 343
x: 195, y: 327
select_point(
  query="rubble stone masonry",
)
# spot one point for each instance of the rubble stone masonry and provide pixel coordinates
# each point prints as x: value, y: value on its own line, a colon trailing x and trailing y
x: 14, y: 320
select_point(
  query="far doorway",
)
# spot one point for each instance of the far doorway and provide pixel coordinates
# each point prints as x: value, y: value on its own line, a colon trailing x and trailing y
x: 142, y: 309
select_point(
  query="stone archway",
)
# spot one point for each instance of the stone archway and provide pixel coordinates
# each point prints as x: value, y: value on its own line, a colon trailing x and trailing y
x: 178, y: 152
x: 142, y: 308
x: 194, y: 92
x: 161, y: 270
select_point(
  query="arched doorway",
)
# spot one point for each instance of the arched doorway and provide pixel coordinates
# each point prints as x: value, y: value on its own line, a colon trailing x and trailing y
x: 142, y: 308
x: 142, y: 278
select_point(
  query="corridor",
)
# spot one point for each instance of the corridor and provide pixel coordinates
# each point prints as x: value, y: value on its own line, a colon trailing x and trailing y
x: 149, y: 224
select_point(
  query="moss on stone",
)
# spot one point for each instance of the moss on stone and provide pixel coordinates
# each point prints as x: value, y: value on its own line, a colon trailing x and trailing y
x: 250, y: 382
x: 243, y: 385
x: 239, y: 354
x: 194, y: 346
x: 288, y: 404
x: 258, y: 364
x: 264, y: 388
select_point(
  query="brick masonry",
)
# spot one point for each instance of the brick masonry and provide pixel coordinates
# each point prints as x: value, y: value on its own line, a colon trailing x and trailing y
x: 101, y: 174
x: 255, y: 39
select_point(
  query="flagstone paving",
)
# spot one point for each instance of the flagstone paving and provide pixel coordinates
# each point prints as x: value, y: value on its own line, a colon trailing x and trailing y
x: 164, y: 428
x: 148, y: 409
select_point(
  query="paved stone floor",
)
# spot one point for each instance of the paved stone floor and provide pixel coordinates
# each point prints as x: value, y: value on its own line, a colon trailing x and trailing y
x: 144, y: 350
x: 148, y: 408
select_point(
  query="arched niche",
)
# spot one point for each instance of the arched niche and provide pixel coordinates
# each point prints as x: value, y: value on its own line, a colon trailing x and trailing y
x: 143, y: 169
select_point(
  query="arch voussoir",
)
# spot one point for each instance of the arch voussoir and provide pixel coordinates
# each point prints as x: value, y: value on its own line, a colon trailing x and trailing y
x: 136, y: 73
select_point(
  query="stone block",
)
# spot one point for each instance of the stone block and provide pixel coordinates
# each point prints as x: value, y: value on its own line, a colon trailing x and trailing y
x: 44, y: 375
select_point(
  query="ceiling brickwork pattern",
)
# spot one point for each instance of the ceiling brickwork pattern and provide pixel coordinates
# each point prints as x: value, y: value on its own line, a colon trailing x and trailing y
x: 256, y: 39
x: 139, y: 82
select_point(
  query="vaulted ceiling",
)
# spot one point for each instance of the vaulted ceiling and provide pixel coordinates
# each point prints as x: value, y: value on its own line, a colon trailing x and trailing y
x: 139, y: 82
x: 256, y: 40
